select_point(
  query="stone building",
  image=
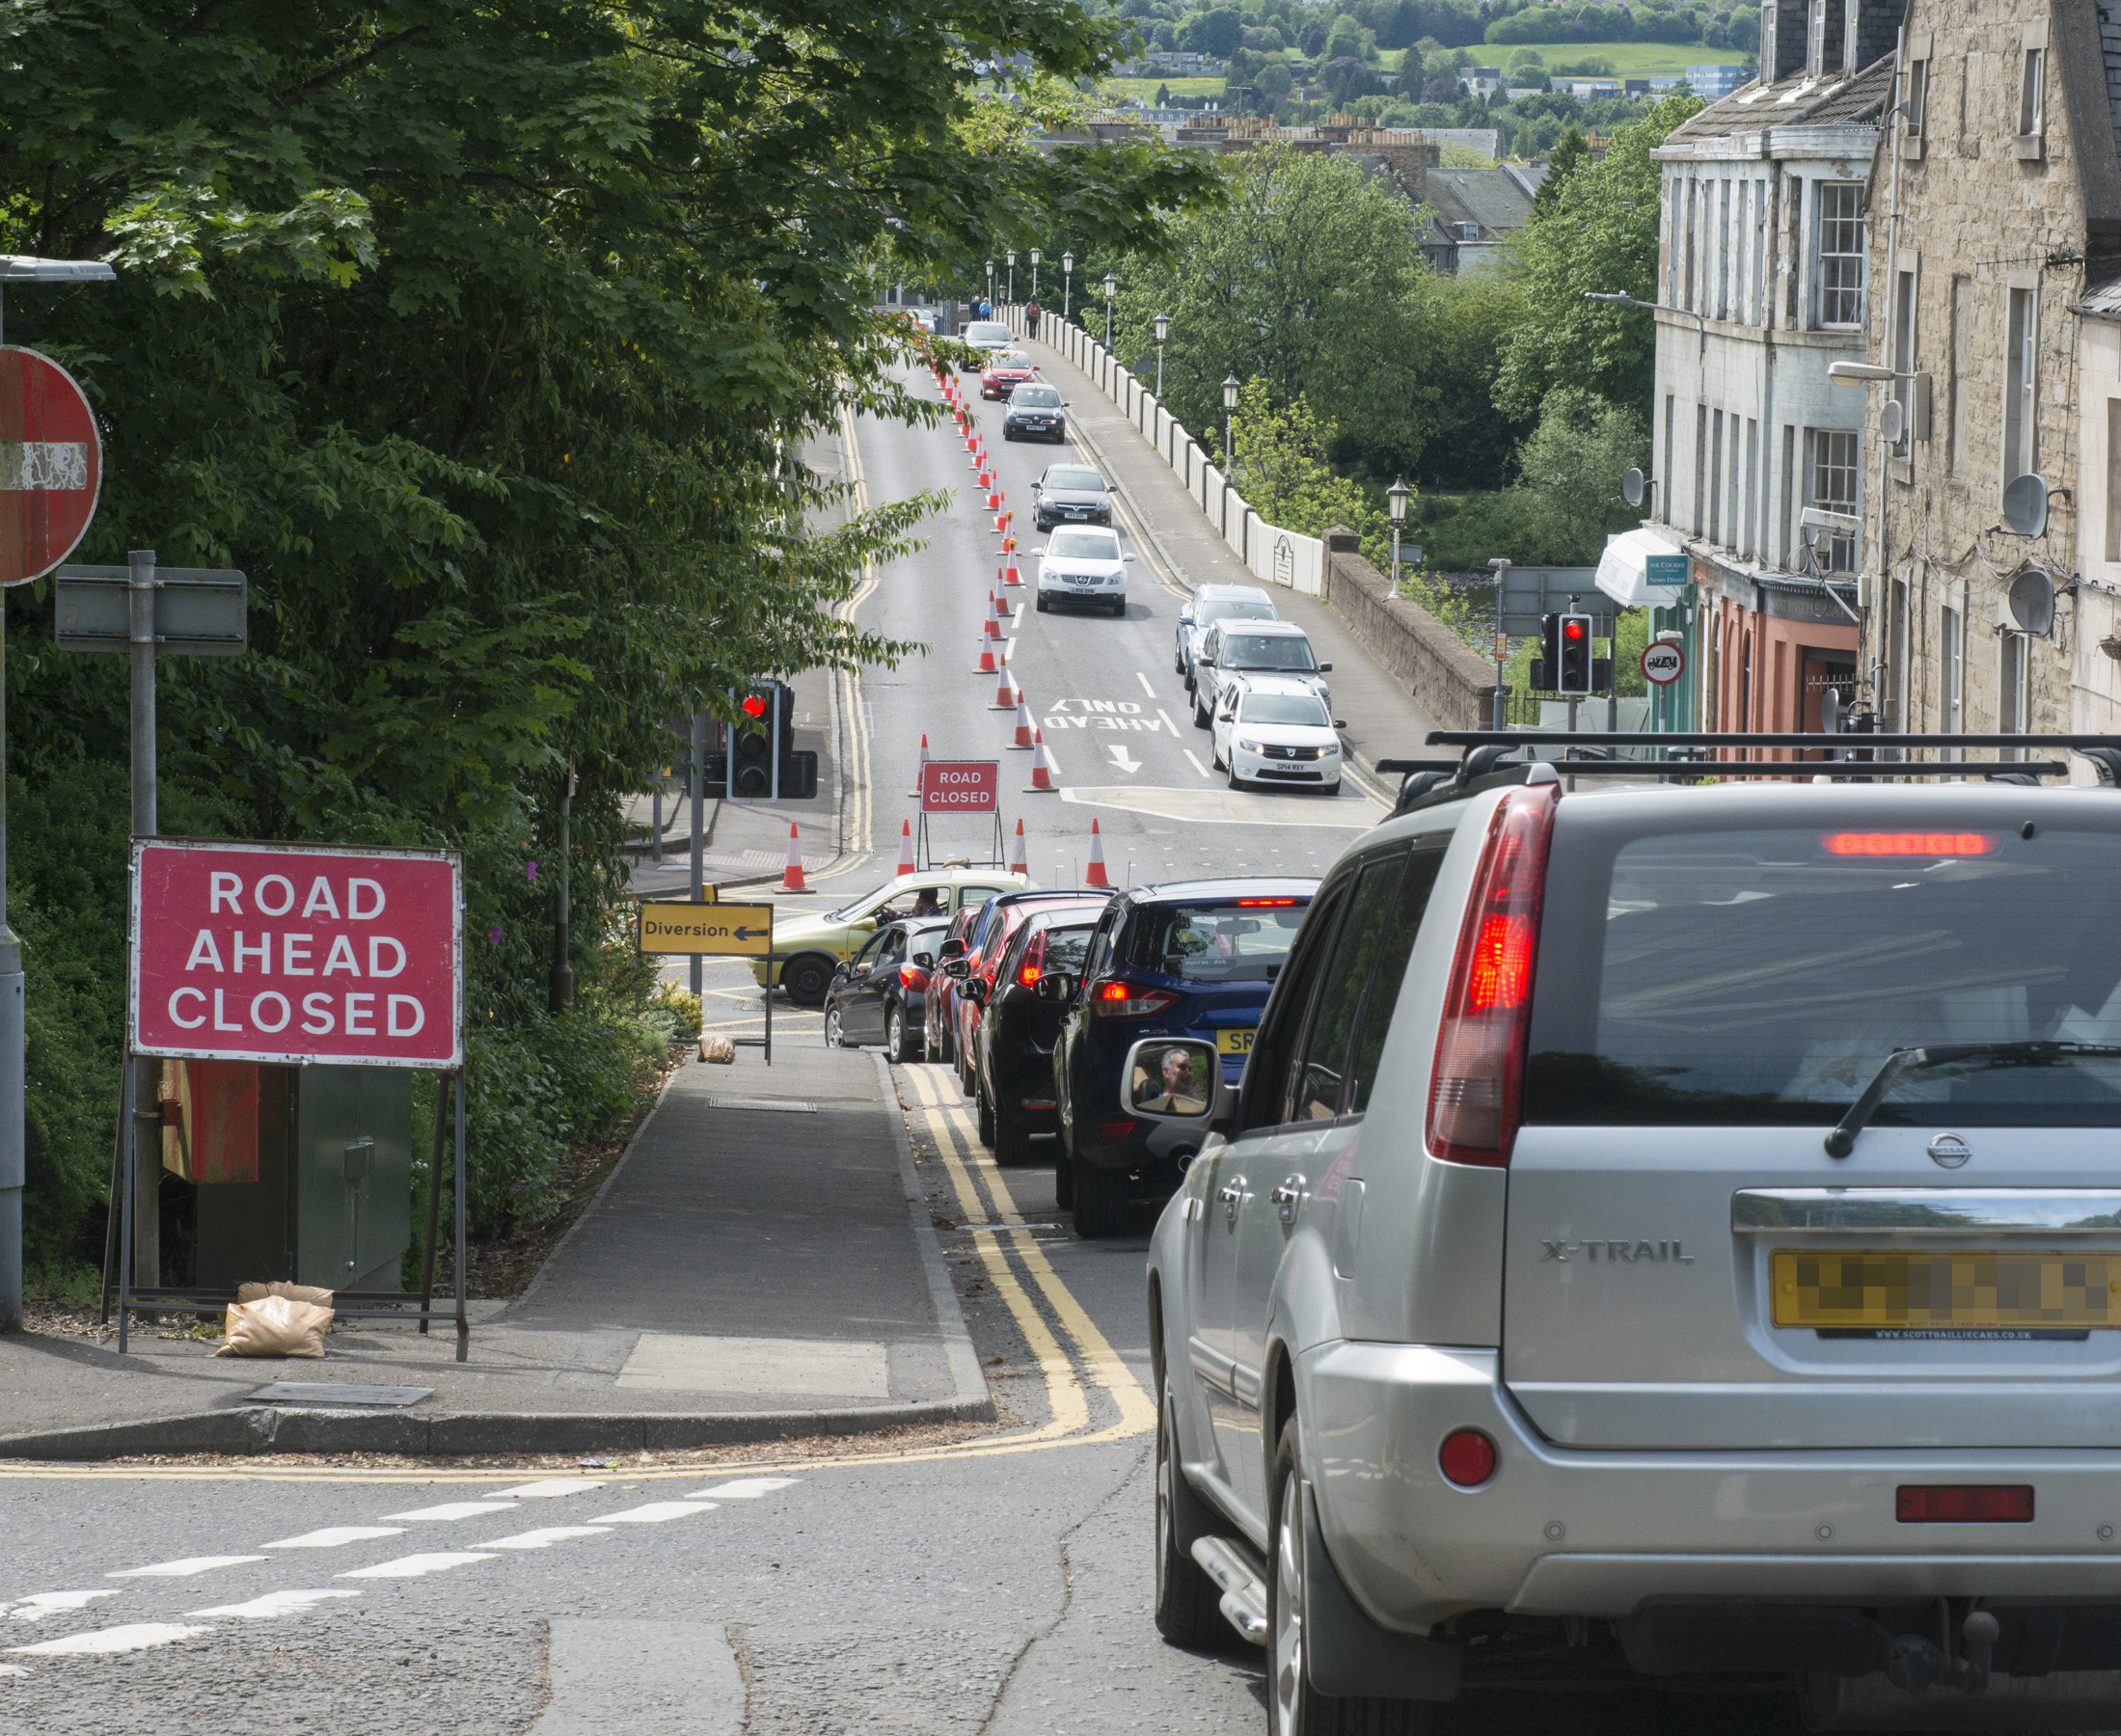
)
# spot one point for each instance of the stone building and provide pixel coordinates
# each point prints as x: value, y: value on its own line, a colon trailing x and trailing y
x: 1763, y: 285
x: 1996, y: 242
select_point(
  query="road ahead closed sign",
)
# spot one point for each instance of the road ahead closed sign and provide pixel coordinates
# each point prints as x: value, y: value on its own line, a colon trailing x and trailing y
x: 960, y: 787
x: 742, y: 930
x: 266, y: 952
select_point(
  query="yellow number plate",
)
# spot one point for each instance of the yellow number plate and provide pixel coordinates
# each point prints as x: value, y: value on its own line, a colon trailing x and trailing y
x: 1974, y: 1288
x: 1235, y: 1041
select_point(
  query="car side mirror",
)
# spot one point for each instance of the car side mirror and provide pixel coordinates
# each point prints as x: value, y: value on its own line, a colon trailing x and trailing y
x: 1057, y: 985
x: 1171, y: 1079
x: 1325, y: 669
x: 1202, y: 656
x: 975, y: 990
x: 957, y: 970
x: 864, y: 922
x: 953, y: 947
x: 1126, y: 558
x: 925, y: 961
x: 1037, y: 487
x: 1340, y: 722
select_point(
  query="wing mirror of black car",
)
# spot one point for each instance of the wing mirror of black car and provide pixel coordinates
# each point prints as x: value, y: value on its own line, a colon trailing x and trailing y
x: 1057, y: 985
x: 1325, y: 669
x: 925, y: 961
x: 1171, y: 1078
x: 956, y: 968
x: 975, y: 990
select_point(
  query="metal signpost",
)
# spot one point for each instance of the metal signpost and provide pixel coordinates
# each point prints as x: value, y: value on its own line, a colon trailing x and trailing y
x: 960, y: 787
x: 289, y: 955
x: 51, y: 472
x: 715, y: 931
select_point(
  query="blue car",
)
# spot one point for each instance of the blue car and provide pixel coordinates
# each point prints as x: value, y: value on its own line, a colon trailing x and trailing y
x: 1193, y: 959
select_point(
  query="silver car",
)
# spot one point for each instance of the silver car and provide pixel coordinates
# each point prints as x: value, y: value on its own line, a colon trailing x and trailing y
x: 1232, y: 650
x: 1664, y: 1236
x: 1207, y: 604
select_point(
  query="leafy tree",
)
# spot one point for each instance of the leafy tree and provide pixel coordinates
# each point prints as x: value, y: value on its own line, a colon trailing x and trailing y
x: 1282, y: 464
x: 1571, y: 465
x: 1599, y: 233
x: 1220, y: 33
x: 1570, y: 153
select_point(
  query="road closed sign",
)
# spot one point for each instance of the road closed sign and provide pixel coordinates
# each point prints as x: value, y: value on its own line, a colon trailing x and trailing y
x: 268, y: 952
x: 718, y: 930
x: 1663, y: 662
x: 960, y: 787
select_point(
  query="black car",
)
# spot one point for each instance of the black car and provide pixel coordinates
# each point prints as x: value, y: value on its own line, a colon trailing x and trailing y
x: 879, y: 994
x: 1023, y: 1019
x: 1035, y: 412
x: 1071, y: 494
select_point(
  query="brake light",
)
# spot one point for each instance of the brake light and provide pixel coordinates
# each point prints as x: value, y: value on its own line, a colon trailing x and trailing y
x: 1963, y: 1503
x: 1033, y: 966
x: 912, y: 976
x: 1908, y: 844
x: 1115, y: 1129
x: 1129, y: 1000
x: 1265, y: 904
x: 1475, y: 1091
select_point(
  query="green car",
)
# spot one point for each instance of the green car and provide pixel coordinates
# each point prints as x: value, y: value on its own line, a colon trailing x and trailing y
x: 812, y: 947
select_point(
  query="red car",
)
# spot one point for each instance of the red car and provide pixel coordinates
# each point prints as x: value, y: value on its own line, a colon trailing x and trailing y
x: 983, y: 951
x: 1004, y: 373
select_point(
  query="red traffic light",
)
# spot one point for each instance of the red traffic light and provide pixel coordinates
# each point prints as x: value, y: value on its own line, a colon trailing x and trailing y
x: 754, y: 707
x: 1573, y: 629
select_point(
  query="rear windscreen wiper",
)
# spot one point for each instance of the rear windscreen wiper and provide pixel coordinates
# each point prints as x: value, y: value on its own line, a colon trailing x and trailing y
x: 2034, y: 1052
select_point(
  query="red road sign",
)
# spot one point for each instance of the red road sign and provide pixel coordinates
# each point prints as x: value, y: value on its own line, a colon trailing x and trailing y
x: 960, y: 787
x: 1664, y: 662
x: 52, y: 464
x: 273, y: 952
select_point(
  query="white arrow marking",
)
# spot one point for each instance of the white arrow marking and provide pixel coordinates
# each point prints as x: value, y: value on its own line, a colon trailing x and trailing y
x: 1123, y: 759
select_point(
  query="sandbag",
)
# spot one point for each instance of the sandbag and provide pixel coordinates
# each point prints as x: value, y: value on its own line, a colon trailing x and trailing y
x: 296, y: 1292
x: 275, y: 1326
x: 715, y: 1047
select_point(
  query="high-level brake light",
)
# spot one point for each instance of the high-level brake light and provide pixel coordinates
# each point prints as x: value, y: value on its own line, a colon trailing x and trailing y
x: 1475, y: 1089
x: 1908, y: 844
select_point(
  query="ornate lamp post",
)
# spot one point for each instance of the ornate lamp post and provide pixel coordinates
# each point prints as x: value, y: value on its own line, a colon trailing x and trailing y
x: 1011, y: 256
x: 1068, y: 280
x: 1163, y: 330
x: 1034, y: 274
x: 989, y: 286
x: 1396, y: 497
x: 1228, y: 409
x: 1111, y: 289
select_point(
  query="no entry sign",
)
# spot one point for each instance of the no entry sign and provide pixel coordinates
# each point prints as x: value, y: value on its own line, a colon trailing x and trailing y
x: 269, y: 952
x: 960, y: 787
x: 52, y: 464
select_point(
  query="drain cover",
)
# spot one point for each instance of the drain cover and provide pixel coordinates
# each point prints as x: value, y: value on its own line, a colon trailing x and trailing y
x: 332, y: 1392
x: 784, y: 1105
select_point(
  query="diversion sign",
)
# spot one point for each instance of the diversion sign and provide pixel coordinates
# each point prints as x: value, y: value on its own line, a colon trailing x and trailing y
x: 282, y: 953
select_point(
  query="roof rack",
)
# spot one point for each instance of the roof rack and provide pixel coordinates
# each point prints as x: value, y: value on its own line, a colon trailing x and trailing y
x: 1482, y: 737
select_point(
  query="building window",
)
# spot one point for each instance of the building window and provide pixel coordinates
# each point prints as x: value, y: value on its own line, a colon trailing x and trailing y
x: 2021, y: 384
x: 1664, y: 476
x: 1951, y: 671
x: 1914, y: 92
x: 1716, y: 481
x: 1701, y: 466
x: 1903, y: 353
x: 1841, y: 253
x: 1832, y: 487
x: 2010, y: 688
x: 2032, y: 67
x: 1789, y: 490
x: 1753, y: 475
x: 1895, y: 686
x: 2113, y: 480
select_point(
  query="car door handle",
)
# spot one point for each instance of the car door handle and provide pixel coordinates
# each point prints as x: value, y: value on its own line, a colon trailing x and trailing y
x: 1286, y: 1198
x: 1231, y: 1195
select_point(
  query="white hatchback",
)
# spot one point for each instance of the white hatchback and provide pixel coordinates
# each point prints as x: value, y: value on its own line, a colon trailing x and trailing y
x: 1270, y: 730
x: 1082, y: 563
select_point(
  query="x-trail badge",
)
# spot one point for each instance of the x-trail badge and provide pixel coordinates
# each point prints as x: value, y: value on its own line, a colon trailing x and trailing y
x: 1949, y: 1151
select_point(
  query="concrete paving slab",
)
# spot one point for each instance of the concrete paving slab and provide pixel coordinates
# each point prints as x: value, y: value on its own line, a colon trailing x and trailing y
x: 665, y: 1362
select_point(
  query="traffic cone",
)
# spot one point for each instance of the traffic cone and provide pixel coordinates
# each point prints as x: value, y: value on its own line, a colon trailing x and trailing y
x: 906, y: 864
x: 1023, y: 723
x: 1042, y: 766
x: 1001, y: 519
x: 915, y: 790
x: 791, y: 879
x: 1005, y: 684
x: 1093, y: 874
x: 993, y: 616
x: 993, y: 500
x: 1018, y: 862
x: 1011, y: 577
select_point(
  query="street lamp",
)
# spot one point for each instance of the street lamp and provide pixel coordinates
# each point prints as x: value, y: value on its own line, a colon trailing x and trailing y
x: 1228, y: 409
x: 1501, y: 566
x: 1111, y: 289
x: 1034, y: 274
x: 1068, y: 280
x: 989, y: 287
x: 1396, y: 497
x: 1163, y: 330
x: 1011, y: 256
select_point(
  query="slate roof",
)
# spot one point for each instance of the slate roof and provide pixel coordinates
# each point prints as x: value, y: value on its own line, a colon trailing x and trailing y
x: 2110, y: 44
x: 1797, y: 102
x: 1487, y: 140
x: 1491, y: 198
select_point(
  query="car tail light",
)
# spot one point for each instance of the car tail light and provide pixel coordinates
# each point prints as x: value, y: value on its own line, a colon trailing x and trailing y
x: 1466, y: 1457
x: 1129, y: 1000
x: 1963, y: 1503
x: 1908, y: 844
x: 1033, y: 966
x: 912, y: 976
x: 1265, y: 904
x: 1115, y: 1129
x: 1475, y: 1091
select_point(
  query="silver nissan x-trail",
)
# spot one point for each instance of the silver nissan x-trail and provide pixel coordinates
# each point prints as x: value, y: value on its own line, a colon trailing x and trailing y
x: 1665, y: 1235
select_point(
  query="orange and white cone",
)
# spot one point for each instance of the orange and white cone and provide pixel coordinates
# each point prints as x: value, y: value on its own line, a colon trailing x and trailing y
x: 1018, y: 862
x: 992, y: 629
x: 1001, y: 519
x: 1042, y: 765
x: 906, y: 864
x: 917, y: 775
x: 993, y: 500
x: 791, y: 880
x: 986, y: 664
x: 1093, y: 874
x: 1011, y: 577
x: 1023, y: 724
x: 1005, y: 684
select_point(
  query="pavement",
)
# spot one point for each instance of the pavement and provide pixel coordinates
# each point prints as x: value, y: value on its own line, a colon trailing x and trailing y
x: 761, y: 1263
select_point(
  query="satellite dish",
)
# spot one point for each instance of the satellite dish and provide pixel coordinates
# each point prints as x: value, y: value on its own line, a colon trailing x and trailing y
x: 1632, y: 486
x: 2032, y: 599
x: 1893, y: 421
x: 2026, y: 505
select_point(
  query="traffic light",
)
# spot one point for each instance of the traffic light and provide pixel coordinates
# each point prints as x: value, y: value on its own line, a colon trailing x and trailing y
x: 1572, y: 671
x: 762, y: 763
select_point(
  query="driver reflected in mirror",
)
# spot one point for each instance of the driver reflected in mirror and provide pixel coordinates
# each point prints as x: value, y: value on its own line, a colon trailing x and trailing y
x: 1177, y: 1083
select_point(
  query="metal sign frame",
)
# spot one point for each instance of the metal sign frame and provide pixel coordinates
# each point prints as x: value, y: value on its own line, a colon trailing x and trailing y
x: 198, y: 611
x: 1530, y: 592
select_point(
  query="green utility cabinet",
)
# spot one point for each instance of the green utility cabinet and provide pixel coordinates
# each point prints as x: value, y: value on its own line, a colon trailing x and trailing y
x: 328, y: 1199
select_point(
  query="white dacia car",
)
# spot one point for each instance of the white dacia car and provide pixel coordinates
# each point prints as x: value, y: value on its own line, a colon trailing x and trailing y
x: 1665, y: 1236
